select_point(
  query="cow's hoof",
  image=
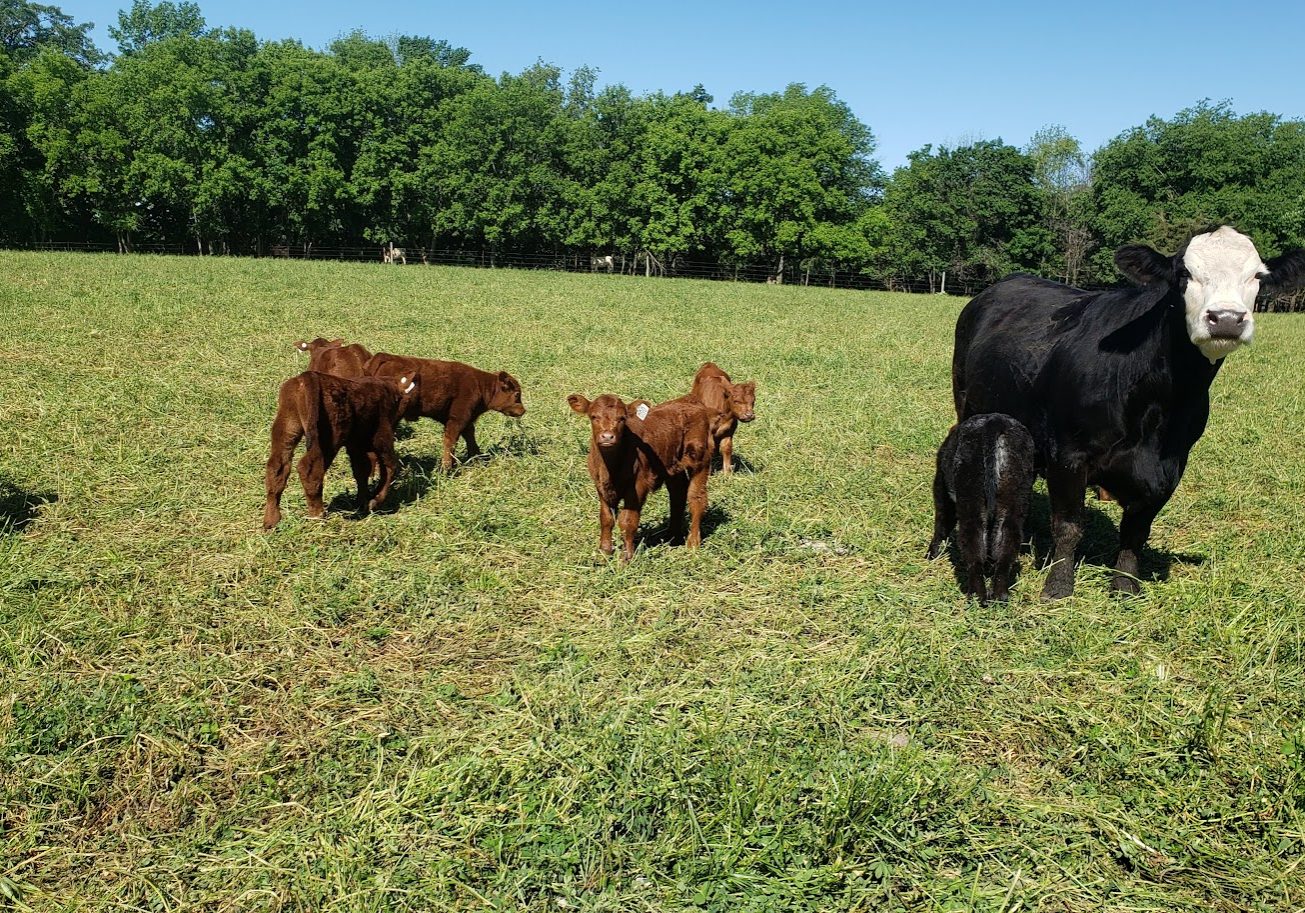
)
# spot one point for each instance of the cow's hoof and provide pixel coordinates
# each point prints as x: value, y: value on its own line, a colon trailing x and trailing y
x: 1057, y: 590
x: 1121, y: 585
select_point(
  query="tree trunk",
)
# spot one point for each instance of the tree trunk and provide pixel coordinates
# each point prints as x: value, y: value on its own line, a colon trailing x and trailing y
x: 779, y: 271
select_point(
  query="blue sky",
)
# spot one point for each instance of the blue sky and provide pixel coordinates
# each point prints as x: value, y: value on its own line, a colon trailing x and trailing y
x: 915, y: 73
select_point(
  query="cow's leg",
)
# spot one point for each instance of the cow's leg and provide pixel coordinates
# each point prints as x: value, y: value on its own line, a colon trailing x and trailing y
x: 1134, y: 530
x: 677, y: 487
x: 469, y: 435
x: 1065, y: 489
x: 360, y: 461
x: 944, y: 515
x: 629, y: 521
x: 697, y: 506
x: 284, y: 441
x: 727, y: 454
x: 606, y: 520
x: 312, y: 473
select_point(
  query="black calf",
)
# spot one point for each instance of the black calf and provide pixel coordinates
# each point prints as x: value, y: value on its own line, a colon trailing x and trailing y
x: 982, y: 489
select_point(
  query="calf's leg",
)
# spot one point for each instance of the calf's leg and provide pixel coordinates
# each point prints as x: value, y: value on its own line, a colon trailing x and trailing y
x: 360, y: 461
x: 284, y: 441
x: 312, y: 473
x: 389, y: 464
x: 453, y: 429
x: 606, y: 520
x: 469, y: 435
x: 1065, y: 489
x: 944, y: 515
x: 1005, y: 553
x: 629, y: 521
x: 727, y: 454
x: 972, y: 543
x: 697, y: 506
x: 677, y: 488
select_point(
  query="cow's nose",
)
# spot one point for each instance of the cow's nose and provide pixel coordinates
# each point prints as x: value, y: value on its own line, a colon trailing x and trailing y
x: 607, y: 438
x: 1225, y: 323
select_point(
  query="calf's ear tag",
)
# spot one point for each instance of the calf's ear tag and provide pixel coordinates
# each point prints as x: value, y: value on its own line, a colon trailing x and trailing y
x: 641, y: 410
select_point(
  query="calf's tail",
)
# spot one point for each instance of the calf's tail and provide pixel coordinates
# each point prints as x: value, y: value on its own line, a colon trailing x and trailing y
x: 312, y: 390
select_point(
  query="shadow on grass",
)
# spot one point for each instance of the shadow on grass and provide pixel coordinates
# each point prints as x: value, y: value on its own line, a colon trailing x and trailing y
x: 19, y: 507
x: 650, y: 536
x: 742, y: 465
x: 1100, y: 543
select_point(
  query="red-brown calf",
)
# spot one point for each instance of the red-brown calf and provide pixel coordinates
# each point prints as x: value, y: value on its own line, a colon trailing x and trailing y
x: 334, y: 412
x: 630, y: 457
x: 729, y: 403
x: 453, y: 393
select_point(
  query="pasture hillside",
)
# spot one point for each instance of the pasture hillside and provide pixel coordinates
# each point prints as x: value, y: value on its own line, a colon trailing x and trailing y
x: 458, y: 705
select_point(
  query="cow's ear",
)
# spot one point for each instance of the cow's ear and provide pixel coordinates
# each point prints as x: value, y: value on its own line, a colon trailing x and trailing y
x: 578, y: 403
x: 339, y: 341
x: 301, y: 345
x: 1286, y: 272
x: 1144, y: 265
x: 633, y: 408
x: 505, y: 381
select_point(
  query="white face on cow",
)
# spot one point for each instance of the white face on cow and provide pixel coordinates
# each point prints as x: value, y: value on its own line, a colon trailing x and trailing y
x: 1223, y: 277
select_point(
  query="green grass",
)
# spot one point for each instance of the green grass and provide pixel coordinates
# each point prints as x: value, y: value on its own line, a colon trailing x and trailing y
x: 459, y: 706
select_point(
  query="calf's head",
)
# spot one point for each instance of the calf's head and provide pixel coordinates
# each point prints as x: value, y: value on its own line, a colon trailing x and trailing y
x: 320, y: 342
x: 1218, y: 274
x: 607, y: 416
x: 507, y: 396
x: 744, y: 397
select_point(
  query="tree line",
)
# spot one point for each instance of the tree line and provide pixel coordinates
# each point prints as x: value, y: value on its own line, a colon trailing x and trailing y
x: 215, y: 140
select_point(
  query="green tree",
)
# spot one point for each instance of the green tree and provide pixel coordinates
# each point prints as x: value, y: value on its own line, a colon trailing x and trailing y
x: 973, y: 212
x: 26, y: 28
x: 146, y: 23
x: 793, y: 161
x: 1063, y: 175
x: 1160, y: 182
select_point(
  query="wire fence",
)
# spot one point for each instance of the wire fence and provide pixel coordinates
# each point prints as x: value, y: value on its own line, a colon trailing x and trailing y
x: 639, y: 263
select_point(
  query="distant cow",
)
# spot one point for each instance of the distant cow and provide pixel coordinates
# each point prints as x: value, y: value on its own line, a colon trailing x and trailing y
x: 392, y: 254
x: 453, y: 393
x: 630, y: 457
x: 334, y: 357
x: 334, y: 412
x: 982, y: 488
x: 606, y: 263
x: 730, y: 403
x: 1113, y: 386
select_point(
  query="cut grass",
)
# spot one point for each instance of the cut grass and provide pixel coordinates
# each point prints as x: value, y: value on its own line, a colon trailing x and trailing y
x: 459, y: 705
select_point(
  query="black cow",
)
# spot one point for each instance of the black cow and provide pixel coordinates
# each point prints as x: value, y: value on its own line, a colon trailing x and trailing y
x: 1114, y: 386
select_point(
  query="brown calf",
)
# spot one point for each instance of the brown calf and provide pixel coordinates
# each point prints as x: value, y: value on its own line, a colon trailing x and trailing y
x: 334, y: 412
x: 630, y: 457
x: 730, y: 403
x: 453, y: 393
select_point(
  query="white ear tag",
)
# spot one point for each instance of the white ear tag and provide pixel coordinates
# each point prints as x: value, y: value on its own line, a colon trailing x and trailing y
x: 641, y: 410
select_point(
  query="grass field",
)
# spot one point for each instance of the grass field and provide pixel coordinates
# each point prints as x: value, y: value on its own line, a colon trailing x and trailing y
x: 459, y: 705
